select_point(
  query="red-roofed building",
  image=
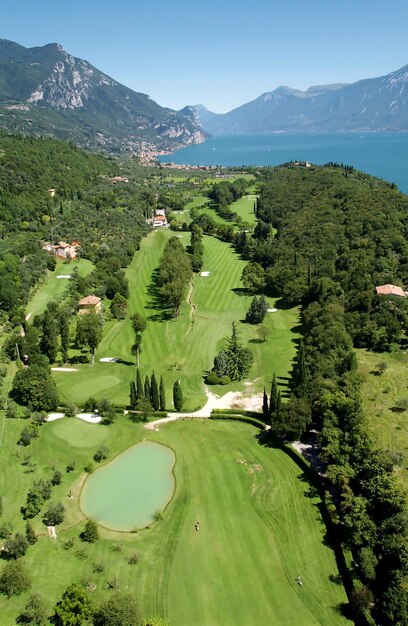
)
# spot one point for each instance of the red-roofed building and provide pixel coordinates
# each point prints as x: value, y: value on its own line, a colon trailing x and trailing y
x: 390, y: 290
x: 90, y: 304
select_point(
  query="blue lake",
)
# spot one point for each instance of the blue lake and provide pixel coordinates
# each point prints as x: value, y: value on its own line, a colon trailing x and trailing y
x: 381, y: 154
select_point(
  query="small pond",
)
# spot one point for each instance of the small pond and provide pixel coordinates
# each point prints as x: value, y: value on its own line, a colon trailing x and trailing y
x: 126, y: 493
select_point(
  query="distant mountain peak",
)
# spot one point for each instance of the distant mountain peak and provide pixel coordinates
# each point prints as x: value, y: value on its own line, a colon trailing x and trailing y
x: 375, y: 104
x: 46, y: 90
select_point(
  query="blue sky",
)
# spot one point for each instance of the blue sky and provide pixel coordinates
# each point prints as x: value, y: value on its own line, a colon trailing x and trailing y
x: 219, y: 53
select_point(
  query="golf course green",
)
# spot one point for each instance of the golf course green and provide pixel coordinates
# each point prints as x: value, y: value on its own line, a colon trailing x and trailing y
x: 128, y: 492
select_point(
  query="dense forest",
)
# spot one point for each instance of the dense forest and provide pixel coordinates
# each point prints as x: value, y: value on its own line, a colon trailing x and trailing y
x: 325, y: 238
x: 107, y: 220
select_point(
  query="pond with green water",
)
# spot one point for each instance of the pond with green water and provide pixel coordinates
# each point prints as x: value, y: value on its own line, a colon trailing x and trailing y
x: 127, y: 492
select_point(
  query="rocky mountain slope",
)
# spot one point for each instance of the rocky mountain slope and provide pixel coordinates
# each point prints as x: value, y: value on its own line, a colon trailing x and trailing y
x: 375, y: 104
x: 45, y: 90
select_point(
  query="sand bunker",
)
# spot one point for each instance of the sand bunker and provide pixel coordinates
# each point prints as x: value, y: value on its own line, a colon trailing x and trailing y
x: 205, y: 273
x: 64, y: 369
x: 92, y: 418
x: 272, y: 310
x: 64, y: 276
x: 54, y: 416
x: 109, y: 359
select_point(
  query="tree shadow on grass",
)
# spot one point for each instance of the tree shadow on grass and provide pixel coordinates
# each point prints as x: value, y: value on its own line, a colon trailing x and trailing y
x: 156, y: 301
x: 241, y: 291
x: 79, y: 358
x: 123, y: 362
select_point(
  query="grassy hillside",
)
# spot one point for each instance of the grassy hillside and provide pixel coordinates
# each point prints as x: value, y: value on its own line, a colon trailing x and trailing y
x: 385, y: 403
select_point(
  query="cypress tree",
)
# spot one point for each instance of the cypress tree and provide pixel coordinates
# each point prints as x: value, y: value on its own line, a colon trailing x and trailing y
x: 265, y: 406
x: 49, y: 339
x: 30, y: 534
x: 177, y: 396
x: 132, y: 395
x: 300, y: 374
x: 154, y: 393
x: 263, y: 306
x: 274, y: 396
x: 147, y: 388
x: 278, y: 404
x: 139, y: 386
x: 65, y: 336
x: 162, y: 395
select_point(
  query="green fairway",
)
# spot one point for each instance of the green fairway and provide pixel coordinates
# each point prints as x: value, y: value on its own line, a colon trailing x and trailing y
x: 244, y: 207
x: 260, y: 528
x: 184, y: 348
x: 52, y: 287
x: 383, y: 394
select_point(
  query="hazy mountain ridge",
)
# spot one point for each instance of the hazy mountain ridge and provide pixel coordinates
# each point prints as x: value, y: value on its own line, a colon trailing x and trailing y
x: 45, y: 90
x: 373, y: 104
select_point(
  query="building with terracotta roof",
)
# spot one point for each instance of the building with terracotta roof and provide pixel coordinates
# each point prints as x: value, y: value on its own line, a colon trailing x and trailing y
x: 390, y: 290
x: 89, y: 304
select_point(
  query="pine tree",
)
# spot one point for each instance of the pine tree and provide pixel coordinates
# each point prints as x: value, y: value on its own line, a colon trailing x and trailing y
x: 90, y: 532
x: 177, y: 396
x: 154, y: 393
x: 147, y: 388
x: 263, y: 306
x: 274, y: 396
x: 30, y: 534
x: 265, y: 406
x: 132, y: 395
x: 139, y: 386
x: 162, y: 395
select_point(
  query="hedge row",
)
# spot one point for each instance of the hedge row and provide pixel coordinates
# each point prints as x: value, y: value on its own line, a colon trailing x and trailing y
x: 239, y: 418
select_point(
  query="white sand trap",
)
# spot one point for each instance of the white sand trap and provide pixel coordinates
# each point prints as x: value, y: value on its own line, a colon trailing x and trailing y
x: 272, y: 310
x: 52, y: 532
x: 27, y: 317
x: 64, y: 276
x: 64, y: 369
x: 109, y: 359
x: 205, y: 273
x: 92, y: 418
x: 54, y: 416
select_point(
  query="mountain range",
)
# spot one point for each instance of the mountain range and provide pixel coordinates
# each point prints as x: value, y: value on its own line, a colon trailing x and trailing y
x: 374, y: 104
x: 47, y: 91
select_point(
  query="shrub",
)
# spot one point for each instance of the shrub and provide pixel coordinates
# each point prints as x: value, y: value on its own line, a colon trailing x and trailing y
x: 90, y: 532
x: 101, y: 454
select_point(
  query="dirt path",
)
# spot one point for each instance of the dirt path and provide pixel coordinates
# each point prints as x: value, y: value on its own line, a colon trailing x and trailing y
x: 232, y: 399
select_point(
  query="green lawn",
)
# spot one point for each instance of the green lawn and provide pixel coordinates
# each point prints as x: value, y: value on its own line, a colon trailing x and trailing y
x: 260, y: 528
x: 184, y: 348
x: 52, y: 288
x: 386, y: 422
x: 245, y: 208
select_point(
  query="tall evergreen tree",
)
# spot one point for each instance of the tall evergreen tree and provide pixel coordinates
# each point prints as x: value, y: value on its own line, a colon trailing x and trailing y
x: 132, y: 395
x: 154, y: 393
x: 30, y: 534
x: 300, y: 372
x: 265, y: 406
x: 278, y: 404
x: 147, y: 388
x: 177, y: 396
x: 49, y: 337
x: 162, y: 395
x: 65, y: 335
x: 273, y: 401
x: 139, y: 386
